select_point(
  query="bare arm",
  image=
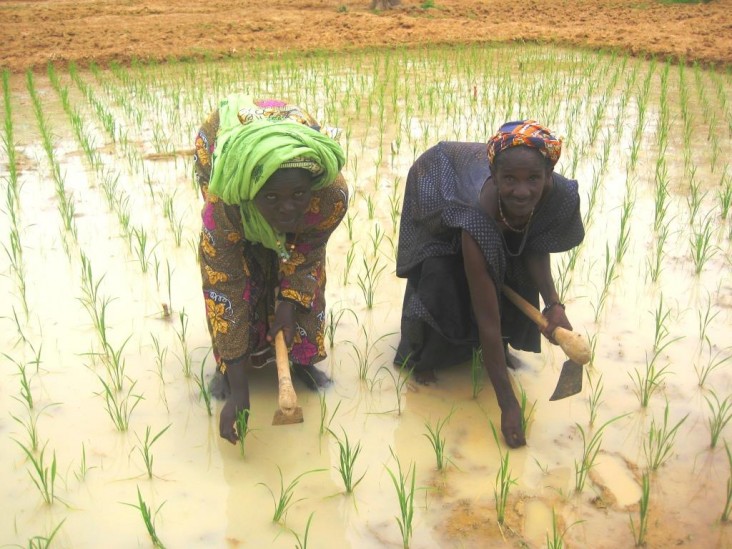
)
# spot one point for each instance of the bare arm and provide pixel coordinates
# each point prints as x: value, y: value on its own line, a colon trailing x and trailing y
x: 485, y: 307
x: 539, y: 267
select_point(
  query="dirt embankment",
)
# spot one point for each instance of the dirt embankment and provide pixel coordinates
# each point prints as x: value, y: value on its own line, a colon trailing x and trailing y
x: 102, y: 31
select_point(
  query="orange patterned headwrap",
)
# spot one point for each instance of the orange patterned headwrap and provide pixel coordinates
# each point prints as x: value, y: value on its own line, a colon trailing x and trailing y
x: 527, y: 133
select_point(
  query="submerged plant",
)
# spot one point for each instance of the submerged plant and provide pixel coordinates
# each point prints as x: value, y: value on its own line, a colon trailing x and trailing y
x: 404, y: 486
x: 659, y: 443
x: 556, y: 541
x: 504, y: 480
x: 325, y: 419
x: 42, y: 473
x: 640, y: 531
x: 728, y: 501
x: 303, y: 543
x: 283, y: 501
x: 347, y: 455
x: 590, y: 449
x: 119, y: 406
x: 526, y: 411
x: 721, y: 415
x: 145, y: 448
x: 437, y: 441
x: 148, y: 517
x: 242, y: 428
x: 44, y: 542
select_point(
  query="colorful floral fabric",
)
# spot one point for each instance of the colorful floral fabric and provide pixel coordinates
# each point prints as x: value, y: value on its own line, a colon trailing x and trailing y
x: 241, y: 279
x: 527, y: 133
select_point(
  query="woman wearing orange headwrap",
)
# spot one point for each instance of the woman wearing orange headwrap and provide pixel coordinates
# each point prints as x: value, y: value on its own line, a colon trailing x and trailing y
x: 476, y: 218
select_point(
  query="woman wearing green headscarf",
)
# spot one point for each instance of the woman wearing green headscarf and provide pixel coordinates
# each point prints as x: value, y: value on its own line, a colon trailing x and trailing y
x: 270, y: 177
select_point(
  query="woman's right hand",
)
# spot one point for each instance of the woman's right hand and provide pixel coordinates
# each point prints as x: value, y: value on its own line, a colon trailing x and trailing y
x: 235, y: 403
x: 511, y: 428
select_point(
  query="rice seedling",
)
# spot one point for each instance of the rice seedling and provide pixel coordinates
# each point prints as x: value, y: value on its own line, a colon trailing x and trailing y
x: 700, y: 242
x: 504, y: 480
x: 556, y: 541
x: 242, y: 428
x: 160, y: 354
x: 621, y: 247
x: 399, y: 381
x: 185, y: 359
x: 640, y: 531
x: 724, y: 195
x: 119, y: 406
x: 721, y: 414
x: 283, y: 501
x: 437, y: 440
x: 728, y: 501
x: 42, y: 473
x: 526, y: 412
x: 303, y: 543
x: 404, y: 486
x: 83, y: 467
x: 647, y: 382
x: 26, y: 396
x: 347, y: 455
x: 476, y: 372
x: 609, y: 275
x: 334, y: 319
x: 714, y: 362
x: 30, y: 425
x: 44, y: 542
x: 695, y: 197
x: 368, y: 281
x: 148, y: 518
x: 200, y: 381
x: 704, y: 320
x: 366, y: 357
x: 115, y: 365
x: 376, y: 238
x: 325, y: 419
x: 590, y: 449
x: 141, y: 248
x: 655, y: 263
x: 659, y: 443
x: 350, y: 257
x: 370, y: 207
x: 145, y: 448
x: 595, y: 399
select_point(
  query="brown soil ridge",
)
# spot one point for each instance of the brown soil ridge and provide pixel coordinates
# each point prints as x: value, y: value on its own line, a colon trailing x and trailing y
x: 64, y: 31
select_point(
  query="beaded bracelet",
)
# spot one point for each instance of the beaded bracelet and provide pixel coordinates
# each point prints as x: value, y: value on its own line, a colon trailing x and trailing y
x: 552, y: 304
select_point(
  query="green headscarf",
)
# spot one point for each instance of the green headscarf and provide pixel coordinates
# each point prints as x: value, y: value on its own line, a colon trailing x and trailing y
x: 253, y: 141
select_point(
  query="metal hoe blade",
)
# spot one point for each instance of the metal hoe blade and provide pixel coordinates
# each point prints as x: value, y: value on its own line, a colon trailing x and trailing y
x: 570, y: 381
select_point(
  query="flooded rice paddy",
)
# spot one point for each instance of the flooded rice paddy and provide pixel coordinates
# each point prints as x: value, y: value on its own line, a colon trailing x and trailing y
x: 104, y: 344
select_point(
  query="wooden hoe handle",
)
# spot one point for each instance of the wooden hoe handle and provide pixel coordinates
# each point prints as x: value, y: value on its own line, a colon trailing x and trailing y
x: 571, y: 343
x: 287, y: 398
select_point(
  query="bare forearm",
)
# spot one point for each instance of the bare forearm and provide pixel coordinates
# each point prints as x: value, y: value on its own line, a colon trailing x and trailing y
x: 494, y: 361
x: 539, y: 266
x: 237, y: 376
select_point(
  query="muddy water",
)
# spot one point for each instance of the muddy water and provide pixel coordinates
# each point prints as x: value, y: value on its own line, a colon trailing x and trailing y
x: 204, y: 493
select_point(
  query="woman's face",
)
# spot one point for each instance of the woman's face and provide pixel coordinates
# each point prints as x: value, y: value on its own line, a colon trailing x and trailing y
x: 284, y: 198
x: 521, y: 175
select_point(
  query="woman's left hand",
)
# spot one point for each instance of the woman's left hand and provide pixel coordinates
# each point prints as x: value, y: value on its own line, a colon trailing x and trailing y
x: 284, y: 320
x: 556, y: 317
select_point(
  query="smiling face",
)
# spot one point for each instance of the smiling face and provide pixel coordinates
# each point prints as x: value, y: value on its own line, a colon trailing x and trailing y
x: 284, y: 199
x: 521, y: 175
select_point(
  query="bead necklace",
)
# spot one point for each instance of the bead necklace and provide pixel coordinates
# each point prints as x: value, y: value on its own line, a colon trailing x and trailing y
x: 284, y: 254
x: 505, y: 222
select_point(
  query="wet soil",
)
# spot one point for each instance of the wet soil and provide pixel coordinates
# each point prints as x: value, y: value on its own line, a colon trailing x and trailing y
x: 103, y: 31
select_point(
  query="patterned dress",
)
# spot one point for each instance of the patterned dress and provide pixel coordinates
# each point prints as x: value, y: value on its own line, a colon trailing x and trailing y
x: 242, y: 280
x: 441, y: 200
